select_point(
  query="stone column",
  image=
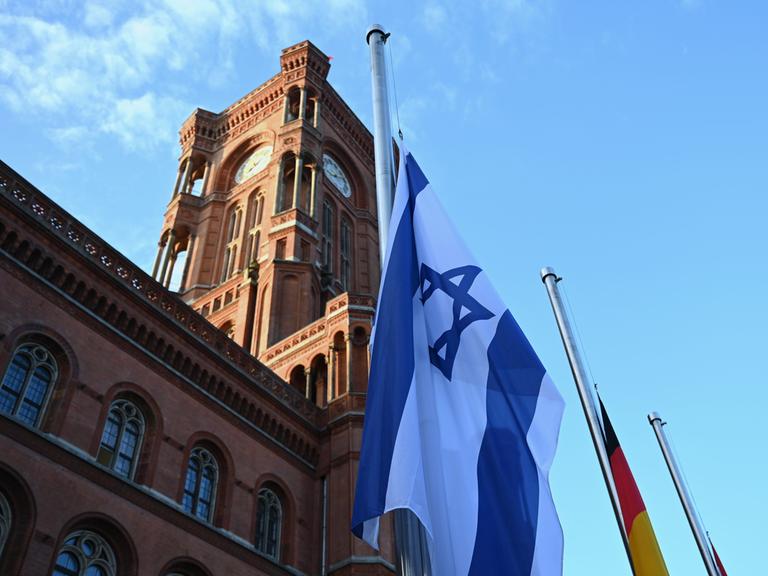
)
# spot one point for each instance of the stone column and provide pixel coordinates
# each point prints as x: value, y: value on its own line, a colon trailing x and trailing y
x: 187, y: 262
x: 315, y: 120
x: 187, y: 176
x: 206, y: 174
x: 349, y: 362
x: 168, y: 250
x: 308, y: 380
x: 167, y: 282
x: 313, y: 191
x: 158, y: 259
x: 178, y: 180
x: 297, y: 180
x: 285, y: 107
x: 302, y: 103
x: 278, y: 189
x: 331, y: 383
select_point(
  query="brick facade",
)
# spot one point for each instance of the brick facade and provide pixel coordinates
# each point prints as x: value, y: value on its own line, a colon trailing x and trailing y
x: 258, y: 357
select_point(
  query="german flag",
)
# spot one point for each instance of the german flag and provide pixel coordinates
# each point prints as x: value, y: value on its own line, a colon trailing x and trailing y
x: 718, y: 563
x: 646, y: 555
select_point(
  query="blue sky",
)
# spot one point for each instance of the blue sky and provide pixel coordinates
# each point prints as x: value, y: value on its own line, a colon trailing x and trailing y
x: 624, y: 143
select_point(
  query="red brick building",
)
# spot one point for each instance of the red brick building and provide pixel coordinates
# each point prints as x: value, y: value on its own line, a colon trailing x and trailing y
x: 212, y: 429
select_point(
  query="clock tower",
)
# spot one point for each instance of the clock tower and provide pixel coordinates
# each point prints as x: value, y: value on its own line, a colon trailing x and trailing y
x: 271, y: 234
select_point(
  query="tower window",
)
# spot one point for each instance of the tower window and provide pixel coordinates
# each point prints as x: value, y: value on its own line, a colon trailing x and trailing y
x: 252, y: 248
x: 200, y: 484
x: 229, y: 260
x: 121, y: 439
x: 27, y: 383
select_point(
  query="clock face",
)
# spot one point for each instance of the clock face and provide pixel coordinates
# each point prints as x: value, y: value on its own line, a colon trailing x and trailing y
x: 254, y: 164
x: 336, y: 175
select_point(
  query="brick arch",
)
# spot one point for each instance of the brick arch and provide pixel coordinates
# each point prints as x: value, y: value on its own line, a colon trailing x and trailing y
x: 23, y: 518
x: 223, y: 503
x: 226, y: 173
x: 185, y: 565
x: 153, y: 434
x: 288, y: 535
x: 359, y: 192
x: 112, y: 531
x: 67, y: 364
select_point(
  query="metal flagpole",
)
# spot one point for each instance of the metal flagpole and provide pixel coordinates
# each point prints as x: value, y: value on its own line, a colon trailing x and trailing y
x: 410, y: 536
x: 682, y: 491
x: 550, y: 279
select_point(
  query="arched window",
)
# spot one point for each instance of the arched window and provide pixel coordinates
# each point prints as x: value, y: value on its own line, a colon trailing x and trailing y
x: 200, y: 484
x: 27, y: 383
x: 5, y: 521
x: 85, y: 553
x: 269, y: 520
x: 121, y: 439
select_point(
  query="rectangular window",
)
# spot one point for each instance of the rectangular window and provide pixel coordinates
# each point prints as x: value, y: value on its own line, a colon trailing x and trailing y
x: 346, y: 254
x: 280, y: 249
x: 328, y: 221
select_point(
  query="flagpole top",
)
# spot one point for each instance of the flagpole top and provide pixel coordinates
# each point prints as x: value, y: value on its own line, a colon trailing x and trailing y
x: 548, y: 271
x: 375, y: 28
x: 653, y: 417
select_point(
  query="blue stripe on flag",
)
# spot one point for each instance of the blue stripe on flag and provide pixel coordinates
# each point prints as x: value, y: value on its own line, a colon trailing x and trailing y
x: 507, y: 476
x: 391, y: 369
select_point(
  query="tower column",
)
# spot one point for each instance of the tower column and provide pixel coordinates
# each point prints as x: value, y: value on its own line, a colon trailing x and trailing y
x: 309, y: 383
x: 187, y: 175
x: 285, y: 107
x: 206, y: 174
x: 313, y: 191
x: 168, y: 249
x: 179, y: 175
x: 279, y: 188
x: 187, y: 262
x: 297, y: 180
x: 349, y: 362
x: 158, y: 259
x: 302, y: 103
x: 331, y: 374
x: 167, y: 281
x: 317, y: 113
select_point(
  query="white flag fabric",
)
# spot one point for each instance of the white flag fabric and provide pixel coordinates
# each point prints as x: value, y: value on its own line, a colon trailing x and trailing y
x: 461, y: 421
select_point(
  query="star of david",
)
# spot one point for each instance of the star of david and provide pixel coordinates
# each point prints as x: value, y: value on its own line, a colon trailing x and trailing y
x: 456, y: 284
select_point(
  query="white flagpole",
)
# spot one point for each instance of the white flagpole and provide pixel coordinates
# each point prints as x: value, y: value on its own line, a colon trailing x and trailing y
x: 682, y: 491
x: 550, y: 279
x: 410, y: 536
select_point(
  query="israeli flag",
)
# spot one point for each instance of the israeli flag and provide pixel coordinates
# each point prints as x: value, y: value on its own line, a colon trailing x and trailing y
x: 462, y: 421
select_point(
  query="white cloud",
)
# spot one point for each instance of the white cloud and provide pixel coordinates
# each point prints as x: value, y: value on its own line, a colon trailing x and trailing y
x: 144, y: 122
x: 97, y: 15
x: 123, y: 68
x: 434, y: 17
x: 512, y: 18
